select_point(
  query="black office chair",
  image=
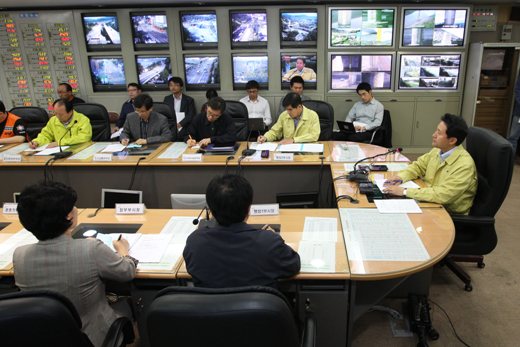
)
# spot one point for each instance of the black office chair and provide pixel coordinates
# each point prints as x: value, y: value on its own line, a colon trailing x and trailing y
x: 246, y: 316
x: 167, y: 111
x: 325, y: 113
x: 35, y: 119
x: 99, y: 120
x: 48, y: 319
x: 475, y: 234
x: 383, y: 133
x: 238, y: 111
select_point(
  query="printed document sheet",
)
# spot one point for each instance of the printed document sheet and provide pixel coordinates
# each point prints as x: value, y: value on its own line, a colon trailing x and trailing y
x: 15, y: 150
x: 108, y: 238
x: 89, y: 151
x: 180, y: 227
x: 370, y: 235
x: 21, y: 238
x: 174, y: 151
x: 409, y: 184
x: 115, y: 147
x: 150, y: 248
x: 317, y: 256
x: 320, y: 229
x: 352, y: 153
x: 51, y: 151
x: 266, y: 146
x: 168, y: 260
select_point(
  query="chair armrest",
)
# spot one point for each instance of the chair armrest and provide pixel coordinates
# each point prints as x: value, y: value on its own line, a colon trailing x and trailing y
x: 469, y: 221
x: 309, y: 331
x: 122, y: 327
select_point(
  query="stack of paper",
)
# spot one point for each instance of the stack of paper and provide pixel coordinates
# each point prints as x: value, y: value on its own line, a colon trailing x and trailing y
x: 21, y: 238
x: 108, y: 238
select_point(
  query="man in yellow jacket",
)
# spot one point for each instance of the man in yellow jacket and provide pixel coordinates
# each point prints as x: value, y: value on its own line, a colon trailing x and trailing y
x: 297, y: 124
x: 65, y: 119
x: 448, y: 170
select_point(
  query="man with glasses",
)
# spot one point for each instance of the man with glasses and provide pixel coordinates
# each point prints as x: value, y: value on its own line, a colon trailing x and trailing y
x: 145, y: 126
x: 257, y: 106
x: 214, y: 126
x: 134, y: 89
x: 65, y: 92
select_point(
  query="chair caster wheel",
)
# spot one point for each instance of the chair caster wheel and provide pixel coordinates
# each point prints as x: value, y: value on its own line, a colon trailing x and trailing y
x: 433, y: 334
x: 481, y: 265
x: 468, y: 287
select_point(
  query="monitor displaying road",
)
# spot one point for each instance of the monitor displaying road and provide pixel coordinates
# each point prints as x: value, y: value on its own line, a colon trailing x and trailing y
x: 101, y: 30
x: 107, y: 71
x: 154, y: 70
x: 199, y: 28
x: 202, y: 70
x: 150, y: 29
x: 247, y: 27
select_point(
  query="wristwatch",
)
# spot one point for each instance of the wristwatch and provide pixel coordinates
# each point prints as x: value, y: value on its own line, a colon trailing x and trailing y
x: 404, y: 192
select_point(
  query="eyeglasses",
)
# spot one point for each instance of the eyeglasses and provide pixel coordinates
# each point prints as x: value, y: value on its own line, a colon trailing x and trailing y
x: 213, y: 115
x: 132, y: 90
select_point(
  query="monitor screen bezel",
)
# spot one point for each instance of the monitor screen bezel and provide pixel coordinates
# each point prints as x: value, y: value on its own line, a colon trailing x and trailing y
x: 199, y: 87
x: 121, y: 191
x: 329, y: 42
x: 197, y: 45
x: 152, y: 87
x: 115, y: 47
x: 242, y: 86
x: 307, y: 85
x: 148, y: 46
x: 249, y: 44
x: 298, y: 44
x: 106, y: 87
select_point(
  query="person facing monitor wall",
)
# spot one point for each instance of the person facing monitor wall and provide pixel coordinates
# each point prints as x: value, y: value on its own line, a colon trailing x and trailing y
x: 296, y: 86
x: 305, y: 73
x: 134, y: 89
x: 182, y: 104
x: 368, y: 113
x: 65, y: 92
x: 145, y: 126
x: 12, y: 128
x: 257, y: 106
x: 296, y: 124
x: 210, y: 93
x: 234, y: 253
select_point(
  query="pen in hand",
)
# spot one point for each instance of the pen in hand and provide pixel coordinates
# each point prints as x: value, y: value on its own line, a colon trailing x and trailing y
x: 119, y: 238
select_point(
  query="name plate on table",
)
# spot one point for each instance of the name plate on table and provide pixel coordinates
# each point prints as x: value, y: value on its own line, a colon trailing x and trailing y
x: 283, y: 156
x: 10, y: 208
x: 12, y: 158
x: 192, y: 157
x: 129, y: 208
x: 102, y: 157
x: 265, y: 210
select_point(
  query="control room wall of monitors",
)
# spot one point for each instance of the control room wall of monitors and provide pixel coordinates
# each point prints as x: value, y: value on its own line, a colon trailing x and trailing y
x: 201, y: 72
x: 352, y: 27
x: 248, y: 29
x: 348, y: 70
x: 101, y: 32
x: 154, y: 72
x: 434, y: 71
x: 107, y: 73
x: 298, y: 28
x: 292, y: 64
x: 199, y: 30
x: 250, y: 67
x: 434, y: 27
x: 149, y: 31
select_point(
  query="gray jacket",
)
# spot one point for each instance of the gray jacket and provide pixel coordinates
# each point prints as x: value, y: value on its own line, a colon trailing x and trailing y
x: 158, y: 129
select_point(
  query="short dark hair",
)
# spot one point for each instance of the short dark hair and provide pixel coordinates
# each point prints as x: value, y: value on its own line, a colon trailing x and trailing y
x: 302, y: 59
x: 211, y: 93
x: 143, y: 100
x: 176, y: 80
x: 297, y: 79
x: 455, y: 127
x: 43, y: 209
x: 2, y: 106
x: 229, y: 198
x: 252, y: 85
x: 363, y: 86
x: 133, y: 84
x: 63, y: 102
x: 292, y: 99
x: 67, y: 86
x: 217, y: 103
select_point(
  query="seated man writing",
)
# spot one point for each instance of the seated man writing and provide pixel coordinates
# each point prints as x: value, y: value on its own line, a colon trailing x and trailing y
x: 75, y: 126
x: 448, y: 170
x: 214, y: 126
x: 296, y: 124
x: 234, y: 253
x: 145, y: 126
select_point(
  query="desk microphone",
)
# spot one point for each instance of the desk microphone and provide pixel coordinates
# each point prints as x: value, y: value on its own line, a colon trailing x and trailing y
x: 207, y: 222
x: 247, y: 152
x: 359, y: 176
x: 62, y: 154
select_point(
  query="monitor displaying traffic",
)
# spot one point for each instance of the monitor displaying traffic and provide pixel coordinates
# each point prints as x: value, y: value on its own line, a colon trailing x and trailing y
x: 101, y: 30
x: 248, y: 27
x: 151, y: 28
x: 154, y: 70
x: 107, y: 71
x: 199, y: 28
x: 434, y: 28
x: 299, y: 26
x: 250, y: 68
x: 429, y: 71
x: 202, y: 70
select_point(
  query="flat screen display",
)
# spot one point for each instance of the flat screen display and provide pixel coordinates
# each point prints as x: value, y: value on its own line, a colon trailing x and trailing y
x: 248, y: 27
x: 358, y: 27
x: 434, y: 28
x: 299, y: 26
x: 349, y: 70
x: 150, y: 29
x: 429, y: 71
x: 154, y: 70
x: 246, y: 68
x: 202, y: 70
x: 299, y: 65
x: 107, y: 72
x: 101, y: 30
x: 200, y: 27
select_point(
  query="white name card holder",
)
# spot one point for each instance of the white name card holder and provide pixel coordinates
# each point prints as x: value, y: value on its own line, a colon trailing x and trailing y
x: 10, y: 208
x: 196, y: 157
x: 12, y: 158
x: 265, y: 210
x: 283, y: 156
x: 102, y: 157
x: 130, y: 208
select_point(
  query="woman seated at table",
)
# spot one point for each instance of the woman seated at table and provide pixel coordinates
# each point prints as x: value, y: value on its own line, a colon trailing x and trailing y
x: 74, y: 268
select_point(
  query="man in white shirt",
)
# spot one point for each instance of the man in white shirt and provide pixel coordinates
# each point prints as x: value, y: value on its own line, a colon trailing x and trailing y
x: 257, y: 107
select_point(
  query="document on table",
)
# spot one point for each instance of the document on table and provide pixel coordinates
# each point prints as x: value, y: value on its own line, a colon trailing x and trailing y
x: 89, y: 151
x: 391, y: 166
x: 114, y: 147
x: 168, y: 260
x: 320, y: 229
x: 409, y: 184
x: 397, y: 206
x: 180, y: 227
x: 370, y: 235
x: 174, y: 151
x: 352, y: 153
x: 317, y: 256
x: 51, y: 151
x: 312, y: 147
x: 150, y: 248
x: 37, y: 149
x: 108, y: 238
x: 293, y: 147
x: 15, y: 150
x: 21, y: 238
x: 116, y: 134
x: 266, y: 146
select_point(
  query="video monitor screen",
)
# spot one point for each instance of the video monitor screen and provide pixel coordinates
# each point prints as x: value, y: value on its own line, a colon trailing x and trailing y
x: 248, y: 27
x: 107, y: 72
x: 299, y: 26
x: 431, y: 71
x: 299, y: 65
x: 350, y: 70
x: 101, y: 30
x: 199, y: 27
x: 154, y: 70
x: 250, y: 68
x: 434, y: 28
x: 361, y: 27
x: 150, y: 29
x: 202, y: 72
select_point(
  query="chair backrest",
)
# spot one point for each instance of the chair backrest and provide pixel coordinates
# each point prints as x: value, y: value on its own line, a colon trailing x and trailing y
x: 238, y: 111
x: 113, y: 117
x: 246, y: 316
x: 494, y: 160
x: 35, y: 118
x: 99, y: 120
x: 188, y: 201
x: 167, y: 111
x: 40, y: 318
x: 325, y: 113
x: 383, y: 136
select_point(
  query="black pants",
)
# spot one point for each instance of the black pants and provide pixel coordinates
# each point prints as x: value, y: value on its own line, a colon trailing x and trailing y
x: 353, y: 137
